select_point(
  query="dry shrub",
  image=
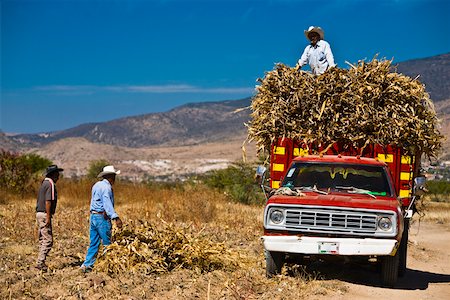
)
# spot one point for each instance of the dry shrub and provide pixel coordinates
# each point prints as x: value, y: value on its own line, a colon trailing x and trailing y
x: 365, y: 104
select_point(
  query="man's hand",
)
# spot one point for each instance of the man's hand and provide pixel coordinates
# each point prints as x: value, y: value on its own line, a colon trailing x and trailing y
x: 48, y: 222
x: 118, y: 222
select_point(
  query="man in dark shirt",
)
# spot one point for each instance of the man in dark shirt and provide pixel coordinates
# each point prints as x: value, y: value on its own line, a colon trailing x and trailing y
x: 45, y: 209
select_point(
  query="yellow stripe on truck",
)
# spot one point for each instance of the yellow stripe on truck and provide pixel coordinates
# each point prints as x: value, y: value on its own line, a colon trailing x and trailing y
x: 279, y: 150
x: 387, y: 158
x: 275, y: 184
x: 404, y: 193
x: 300, y: 152
x: 405, y: 176
x: 278, y: 167
x: 407, y: 160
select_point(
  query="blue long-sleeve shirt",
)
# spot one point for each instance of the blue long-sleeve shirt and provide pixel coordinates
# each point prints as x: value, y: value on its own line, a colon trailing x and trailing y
x: 103, y: 198
x: 319, y: 57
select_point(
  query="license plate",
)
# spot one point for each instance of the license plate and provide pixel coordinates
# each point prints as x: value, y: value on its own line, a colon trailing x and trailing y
x: 328, y: 248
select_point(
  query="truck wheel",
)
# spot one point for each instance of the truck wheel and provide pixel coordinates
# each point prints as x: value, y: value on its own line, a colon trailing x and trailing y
x: 274, y: 263
x: 403, y: 250
x: 389, y: 270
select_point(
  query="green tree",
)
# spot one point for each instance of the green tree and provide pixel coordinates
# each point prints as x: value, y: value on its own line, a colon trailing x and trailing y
x: 95, y: 167
x: 36, y: 162
x: 237, y: 181
x: 15, y: 173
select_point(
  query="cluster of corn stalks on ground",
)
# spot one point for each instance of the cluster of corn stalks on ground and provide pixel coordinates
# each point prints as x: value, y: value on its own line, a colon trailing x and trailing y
x: 143, y: 248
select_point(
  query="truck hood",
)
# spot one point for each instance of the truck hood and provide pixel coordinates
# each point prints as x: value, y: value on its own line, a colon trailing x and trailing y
x: 345, y: 200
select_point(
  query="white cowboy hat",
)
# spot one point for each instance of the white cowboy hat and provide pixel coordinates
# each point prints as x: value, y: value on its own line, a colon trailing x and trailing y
x: 317, y: 30
x: 108, y: 170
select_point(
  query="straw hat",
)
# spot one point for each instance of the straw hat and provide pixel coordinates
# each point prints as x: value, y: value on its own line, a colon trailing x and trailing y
x: 315, y: 29
x: 108, y: 170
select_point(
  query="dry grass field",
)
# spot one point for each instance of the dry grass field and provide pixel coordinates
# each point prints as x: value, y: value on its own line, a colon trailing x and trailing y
x: 199, y: 211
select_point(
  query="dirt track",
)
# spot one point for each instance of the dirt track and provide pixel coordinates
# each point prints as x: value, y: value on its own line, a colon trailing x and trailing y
x: 427, y: 275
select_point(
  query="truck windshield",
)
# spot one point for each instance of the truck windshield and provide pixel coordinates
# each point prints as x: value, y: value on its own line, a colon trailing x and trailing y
x: 333, y: 177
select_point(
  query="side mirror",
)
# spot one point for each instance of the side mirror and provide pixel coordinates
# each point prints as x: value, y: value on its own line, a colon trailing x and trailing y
x: 419, y: 185
x: 260, y: 177
x: 260, y: 170
x: 260, y: 174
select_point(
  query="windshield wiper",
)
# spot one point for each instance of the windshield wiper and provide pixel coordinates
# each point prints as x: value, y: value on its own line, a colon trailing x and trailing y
x: 355, y: 190
x: 312, y: 189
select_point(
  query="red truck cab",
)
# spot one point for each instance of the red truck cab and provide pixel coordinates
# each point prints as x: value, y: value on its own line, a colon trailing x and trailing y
x: 347, y: 202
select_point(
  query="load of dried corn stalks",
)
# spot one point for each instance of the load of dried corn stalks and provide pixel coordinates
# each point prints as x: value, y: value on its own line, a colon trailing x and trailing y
x: 145, y: 249
x: 365, y: 104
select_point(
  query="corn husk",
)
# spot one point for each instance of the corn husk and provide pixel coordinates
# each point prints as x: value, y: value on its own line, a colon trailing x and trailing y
x: 367, y: 103
x: 146, y: 249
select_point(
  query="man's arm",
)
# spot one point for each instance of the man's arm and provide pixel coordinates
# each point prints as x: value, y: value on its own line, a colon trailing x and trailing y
x: 329, y: 56
x: 48, y: 211
x: 304, y: 58
x: 49, y: 194
x: 109, y: 208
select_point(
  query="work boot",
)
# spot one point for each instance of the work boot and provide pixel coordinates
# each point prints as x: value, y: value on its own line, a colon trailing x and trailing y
x: 85, y: 269
x: 42, y: 267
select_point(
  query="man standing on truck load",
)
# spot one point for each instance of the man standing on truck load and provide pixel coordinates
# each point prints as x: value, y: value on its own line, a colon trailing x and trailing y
x: 318, y: 54
x: 45, y: 209
x: 102, y: 212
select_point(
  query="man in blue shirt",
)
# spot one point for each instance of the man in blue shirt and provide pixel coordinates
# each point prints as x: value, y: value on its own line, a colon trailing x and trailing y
x: 318, y: 54
x: 102, y: 212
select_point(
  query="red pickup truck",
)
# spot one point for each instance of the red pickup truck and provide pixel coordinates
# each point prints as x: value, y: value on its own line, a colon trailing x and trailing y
x: 349, y: 202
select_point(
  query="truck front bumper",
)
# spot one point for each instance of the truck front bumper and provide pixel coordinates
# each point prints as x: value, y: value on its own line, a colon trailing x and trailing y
x: 323, y: 245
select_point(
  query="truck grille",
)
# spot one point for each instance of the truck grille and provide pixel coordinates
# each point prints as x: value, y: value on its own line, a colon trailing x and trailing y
x: 343, y: 221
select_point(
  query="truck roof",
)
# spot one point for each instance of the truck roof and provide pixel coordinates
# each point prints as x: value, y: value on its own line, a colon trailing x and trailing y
x: 339, y: 159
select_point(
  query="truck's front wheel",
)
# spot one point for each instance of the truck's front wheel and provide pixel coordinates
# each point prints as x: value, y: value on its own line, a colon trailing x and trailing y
x: 389, y: 270
x: 274, y: 263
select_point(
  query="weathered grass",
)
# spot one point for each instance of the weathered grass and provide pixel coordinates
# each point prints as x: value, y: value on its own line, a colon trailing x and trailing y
x: 435, y: 211
x: 202, y: 211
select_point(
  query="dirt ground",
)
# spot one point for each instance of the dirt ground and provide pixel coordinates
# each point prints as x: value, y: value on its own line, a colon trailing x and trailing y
x: 427, y: 276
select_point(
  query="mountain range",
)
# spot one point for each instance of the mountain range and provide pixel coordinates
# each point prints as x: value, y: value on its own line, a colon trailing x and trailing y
x: 187, y: 124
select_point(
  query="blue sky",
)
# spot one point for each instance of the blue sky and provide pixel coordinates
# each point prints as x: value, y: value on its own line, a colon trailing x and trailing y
x: 67, y: 62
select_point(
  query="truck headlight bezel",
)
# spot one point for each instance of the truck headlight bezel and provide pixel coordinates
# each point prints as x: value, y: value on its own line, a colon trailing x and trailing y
x: 276, y: 216
x: 385, y: 223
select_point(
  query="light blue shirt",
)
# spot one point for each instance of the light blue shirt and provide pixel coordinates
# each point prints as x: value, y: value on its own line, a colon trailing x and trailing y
x: 103, y: 198
x: 319, y: 57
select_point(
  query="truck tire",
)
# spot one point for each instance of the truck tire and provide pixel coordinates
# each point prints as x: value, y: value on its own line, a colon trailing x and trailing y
x: 389, y: 270
x: 274, y: 263
x: 403, y: 250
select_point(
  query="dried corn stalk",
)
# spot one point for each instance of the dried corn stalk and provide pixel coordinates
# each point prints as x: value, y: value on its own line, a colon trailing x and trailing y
x: 145, y: 249
x: 364, y: 104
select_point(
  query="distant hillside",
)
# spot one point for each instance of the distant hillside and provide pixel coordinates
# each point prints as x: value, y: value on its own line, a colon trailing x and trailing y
x: 7, y: 143
x: 434, y: 72
x: 185, y: 125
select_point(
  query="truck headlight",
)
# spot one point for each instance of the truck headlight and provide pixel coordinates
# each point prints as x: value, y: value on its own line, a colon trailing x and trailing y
x: 385, y: 223
x: 276, y: 216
